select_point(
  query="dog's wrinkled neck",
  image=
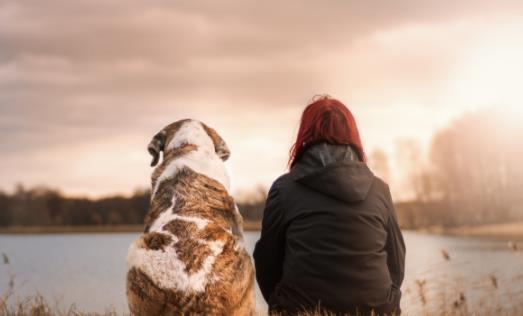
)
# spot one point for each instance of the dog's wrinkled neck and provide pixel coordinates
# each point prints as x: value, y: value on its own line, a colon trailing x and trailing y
x: 204, y: 162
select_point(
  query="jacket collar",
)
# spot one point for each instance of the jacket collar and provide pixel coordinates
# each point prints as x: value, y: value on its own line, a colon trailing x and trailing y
x: 334, y: 170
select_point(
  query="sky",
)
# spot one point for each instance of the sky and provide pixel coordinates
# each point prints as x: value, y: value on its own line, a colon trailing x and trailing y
x: 84, y: 85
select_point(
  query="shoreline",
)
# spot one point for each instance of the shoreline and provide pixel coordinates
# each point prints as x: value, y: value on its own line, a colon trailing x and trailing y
x: 504, y: 231
x: 86, y: 229
x: 512, y: 231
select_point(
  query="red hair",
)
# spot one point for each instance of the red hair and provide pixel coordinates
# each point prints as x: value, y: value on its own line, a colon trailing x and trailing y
x: 326, y: 120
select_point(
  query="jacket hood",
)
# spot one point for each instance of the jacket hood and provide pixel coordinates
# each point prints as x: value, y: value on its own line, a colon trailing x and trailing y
x: 334, y: 170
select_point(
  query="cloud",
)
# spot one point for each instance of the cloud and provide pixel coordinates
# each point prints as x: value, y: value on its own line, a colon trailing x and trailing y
x: 83, y: 74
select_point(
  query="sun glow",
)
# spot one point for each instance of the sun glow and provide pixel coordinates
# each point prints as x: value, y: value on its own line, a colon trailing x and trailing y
x: 492, y: 71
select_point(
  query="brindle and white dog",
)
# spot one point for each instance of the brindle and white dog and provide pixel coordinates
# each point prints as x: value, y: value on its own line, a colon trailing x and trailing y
x: 190, y: 259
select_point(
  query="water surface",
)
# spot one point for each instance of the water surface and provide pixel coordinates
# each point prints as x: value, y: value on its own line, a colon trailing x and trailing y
x: 89, y: 270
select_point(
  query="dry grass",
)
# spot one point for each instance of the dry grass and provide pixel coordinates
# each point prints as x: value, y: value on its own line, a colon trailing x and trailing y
x: 320, y: 312
x: 38, y: 306
x: 453, y: 297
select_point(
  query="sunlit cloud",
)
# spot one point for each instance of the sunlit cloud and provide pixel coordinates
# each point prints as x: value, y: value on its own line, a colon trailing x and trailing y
x: 84, y: 85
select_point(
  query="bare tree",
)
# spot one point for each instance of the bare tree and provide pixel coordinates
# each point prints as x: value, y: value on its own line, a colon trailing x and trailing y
x: 379, y: 163
x: 477, y: 166
x: 410, y: 161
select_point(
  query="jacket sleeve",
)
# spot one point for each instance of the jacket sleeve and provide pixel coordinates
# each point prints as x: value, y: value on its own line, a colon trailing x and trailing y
x: 269, y: 250
x: 395, y: 247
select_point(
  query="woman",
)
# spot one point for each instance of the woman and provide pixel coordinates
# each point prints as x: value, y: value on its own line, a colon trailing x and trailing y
x: 330, y: 237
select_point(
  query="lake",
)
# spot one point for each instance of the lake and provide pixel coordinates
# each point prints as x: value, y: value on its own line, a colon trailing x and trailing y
x: 89, y: 270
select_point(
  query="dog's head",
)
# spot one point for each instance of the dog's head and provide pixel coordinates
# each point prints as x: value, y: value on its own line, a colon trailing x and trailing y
x: 190, y: 134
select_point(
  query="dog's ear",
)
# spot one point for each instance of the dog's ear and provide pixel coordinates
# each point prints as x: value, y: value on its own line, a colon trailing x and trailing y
x: 219, y: 144
x: 156, y: 145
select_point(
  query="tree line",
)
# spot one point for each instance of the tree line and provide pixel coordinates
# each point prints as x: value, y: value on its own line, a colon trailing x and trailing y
x: 41, y: 206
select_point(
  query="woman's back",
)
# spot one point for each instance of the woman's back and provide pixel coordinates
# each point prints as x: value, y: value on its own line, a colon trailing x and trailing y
x: 330, y: 237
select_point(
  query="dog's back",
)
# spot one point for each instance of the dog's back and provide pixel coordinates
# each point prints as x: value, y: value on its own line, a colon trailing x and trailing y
x: 191, y: 258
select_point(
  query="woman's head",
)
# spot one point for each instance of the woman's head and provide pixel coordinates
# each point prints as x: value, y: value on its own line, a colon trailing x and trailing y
x: 326, y: 120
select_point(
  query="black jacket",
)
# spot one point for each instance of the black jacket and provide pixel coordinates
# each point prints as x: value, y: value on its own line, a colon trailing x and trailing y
x: 330, y: 238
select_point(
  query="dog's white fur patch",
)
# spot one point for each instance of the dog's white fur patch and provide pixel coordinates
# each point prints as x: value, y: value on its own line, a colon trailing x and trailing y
x: 163, y: 266
x: 191, y: 132
x: 168, y: 272
x: 203, y: 160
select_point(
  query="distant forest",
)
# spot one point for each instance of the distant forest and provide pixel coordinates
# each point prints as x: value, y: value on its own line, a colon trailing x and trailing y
x: 42, y: 206
x: 472, y: 174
